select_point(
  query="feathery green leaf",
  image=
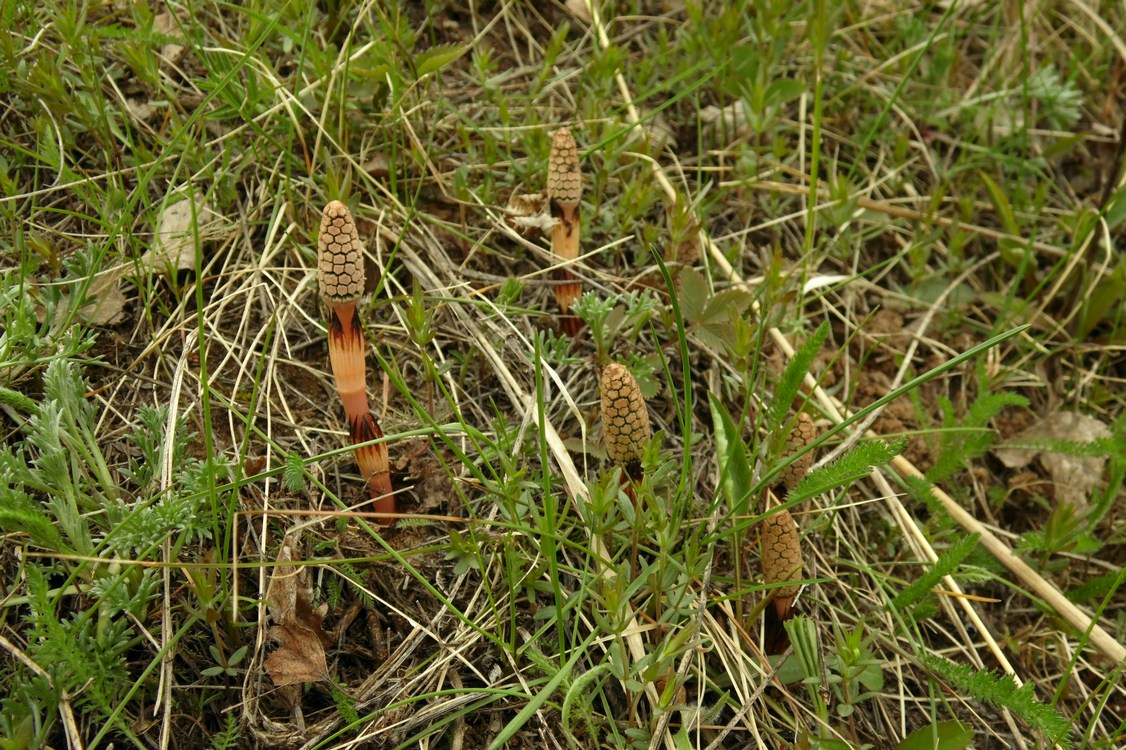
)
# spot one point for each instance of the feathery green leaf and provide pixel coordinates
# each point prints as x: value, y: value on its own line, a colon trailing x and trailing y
x: 789, y: 385
x: 960, y: 443
x: 847, y: 469
x: 942, y: 567
x: 1002, y: 691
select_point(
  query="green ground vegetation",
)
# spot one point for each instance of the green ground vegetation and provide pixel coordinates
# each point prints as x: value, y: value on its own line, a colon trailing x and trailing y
x: 903, y: 219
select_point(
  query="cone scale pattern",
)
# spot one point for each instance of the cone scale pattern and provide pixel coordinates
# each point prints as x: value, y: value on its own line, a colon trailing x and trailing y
x: 341, y: 257
x: 802, y: 435
x: 564, y: 177
x: 340, y: 267
x: 625, y: 420
x: 781, y: 559
x: 564, y: 192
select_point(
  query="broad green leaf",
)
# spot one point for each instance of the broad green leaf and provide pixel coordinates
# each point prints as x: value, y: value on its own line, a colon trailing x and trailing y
x: 1116, y: 209
x: 1011, y: 252
x: 693, y: 293
x: 784, y: 90
x: 1001, y: 205
x: 1101, y: 299
x: 725, y: 305
x: 437, y: 57
x: 735, y: 472
x: 945, y: 735
x: 375, y: 72
x: 823, y: 743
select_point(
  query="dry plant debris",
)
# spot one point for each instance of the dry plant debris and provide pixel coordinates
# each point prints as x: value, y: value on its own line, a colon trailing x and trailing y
x: 173, y: 247
x: 341, y: 267
x: 297, y: 630
x: 1073, y: 478
x: 625, y: 419
x: 564, y: 193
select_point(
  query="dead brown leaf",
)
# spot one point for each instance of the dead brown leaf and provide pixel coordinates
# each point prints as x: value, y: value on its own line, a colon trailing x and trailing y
x: 298, y: 630
x: 731, y: 119
x: 1073, y: 478
x: 173, y: 247
x: 166, y: 24
x: 299, y: 657
x: 105, y: 301
x: 378, y: 166
x: 578, y: 10
x: 173, y: 250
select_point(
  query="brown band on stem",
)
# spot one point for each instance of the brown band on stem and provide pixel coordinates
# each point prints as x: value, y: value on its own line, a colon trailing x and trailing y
x: 346, y: 357
x: 373, y: 460
x: 566, y: 295
x: 341, y: 274
x: 634, y: 470
x: 564, y: 192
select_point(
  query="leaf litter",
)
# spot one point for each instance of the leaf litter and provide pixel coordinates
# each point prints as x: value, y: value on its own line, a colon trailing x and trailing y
x: 1073, y: 477
x: 297, y: 629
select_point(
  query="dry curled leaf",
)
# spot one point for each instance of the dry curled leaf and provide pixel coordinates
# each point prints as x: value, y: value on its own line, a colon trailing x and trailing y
x: 167, y: 24
x: 1073, y: 478
x: 578, y: 10
x: 173, y: 247
x: 731, y: 119
x: 105, y: 302
x: 527, y: 214
x: 300, y: 655
x: 378, y: 165
x: 298, y: 658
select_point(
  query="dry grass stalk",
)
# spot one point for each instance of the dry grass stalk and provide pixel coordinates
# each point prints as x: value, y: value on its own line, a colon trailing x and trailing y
x: 802, y: 435
x: 564, y: 192
x: 341, y: 276
x: 625, y: 419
